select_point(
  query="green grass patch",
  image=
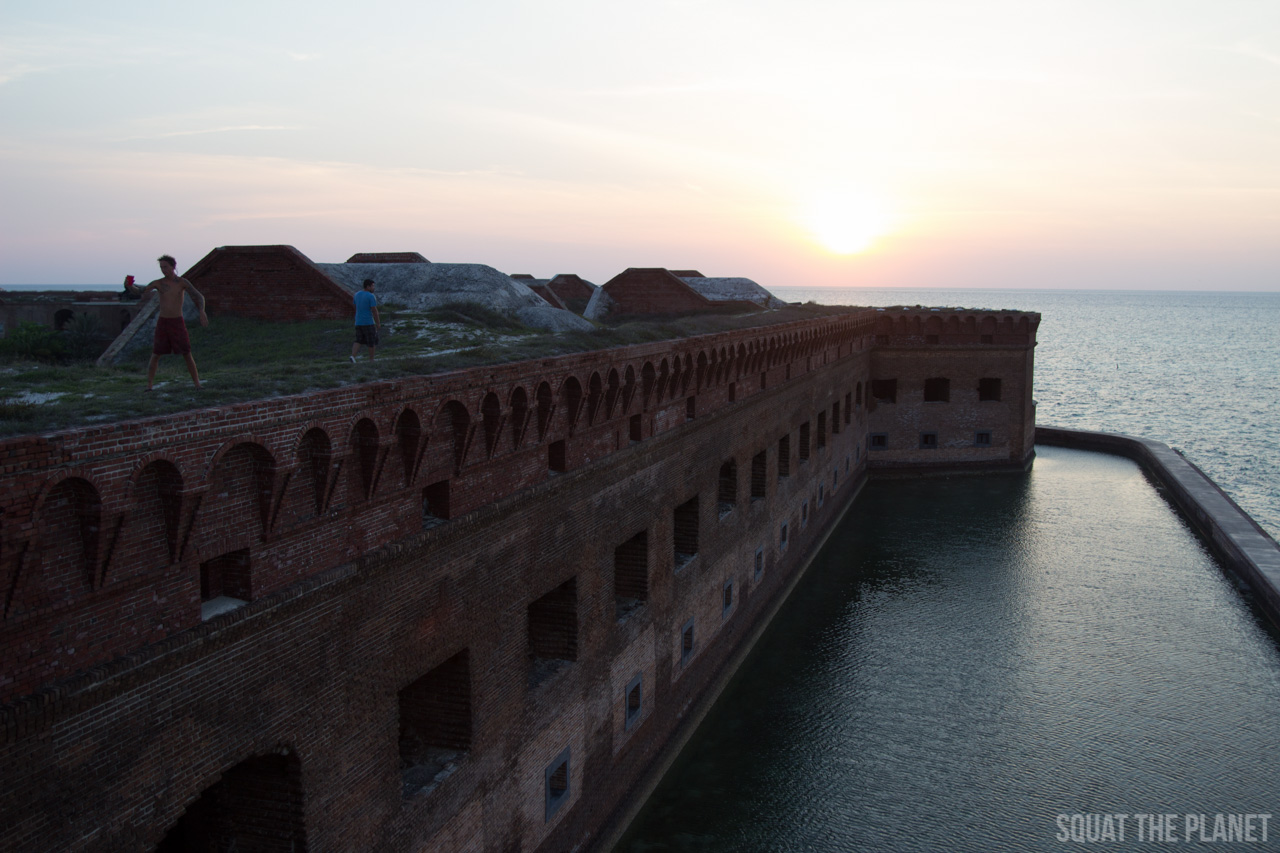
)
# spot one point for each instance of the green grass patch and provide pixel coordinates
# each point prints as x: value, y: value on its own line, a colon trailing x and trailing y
x: 242, y: 359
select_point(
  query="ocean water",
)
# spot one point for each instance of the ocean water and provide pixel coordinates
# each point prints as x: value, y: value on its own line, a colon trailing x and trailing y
x: 1199, y: 371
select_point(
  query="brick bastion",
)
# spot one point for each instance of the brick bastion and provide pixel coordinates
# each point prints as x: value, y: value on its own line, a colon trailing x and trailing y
x: 467, y: 611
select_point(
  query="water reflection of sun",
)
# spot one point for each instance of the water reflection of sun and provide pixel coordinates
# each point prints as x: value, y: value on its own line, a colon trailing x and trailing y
x: 846, y: 222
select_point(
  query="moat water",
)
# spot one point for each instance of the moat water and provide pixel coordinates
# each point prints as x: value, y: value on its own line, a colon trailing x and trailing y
x: 969, y: 658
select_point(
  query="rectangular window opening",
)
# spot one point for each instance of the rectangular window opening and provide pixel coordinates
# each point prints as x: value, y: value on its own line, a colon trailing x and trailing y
x: 822, y: 430
x: 804, y: 442
x: 937, y: 390
x: 726, y: 598
x: 435, y: 725
x: 759, y: 476
x: 435, y: 504
x: 631, y: 574
x: 727, y: 496
x: 686, y: 642
x: 685, y: 539
x: 982, y: 439
x: 633, y: 702
x: 225, y: 583
x: 885, y: 390
x: 553, y: 631
x: 634, y: 428
x: 878, y: 441
x: 989, y: 390
x: 784, y: 456
x: 557, y: 457
x: 556, y: 783
x: 928, y: 441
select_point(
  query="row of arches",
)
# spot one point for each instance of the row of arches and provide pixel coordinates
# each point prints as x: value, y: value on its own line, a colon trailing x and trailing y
x: 83, y: 539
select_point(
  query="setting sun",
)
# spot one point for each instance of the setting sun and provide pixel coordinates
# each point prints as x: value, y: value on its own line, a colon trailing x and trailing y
x: 846, y: 222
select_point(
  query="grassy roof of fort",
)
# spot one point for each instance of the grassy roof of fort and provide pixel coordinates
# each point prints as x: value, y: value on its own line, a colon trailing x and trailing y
x: 242, y: 360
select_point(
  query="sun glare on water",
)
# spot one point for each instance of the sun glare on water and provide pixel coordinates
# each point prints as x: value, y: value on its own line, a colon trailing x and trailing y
x: 846, y: 223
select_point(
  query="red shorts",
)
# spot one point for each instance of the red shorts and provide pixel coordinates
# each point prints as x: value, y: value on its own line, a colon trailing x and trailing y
x: 171, y: 337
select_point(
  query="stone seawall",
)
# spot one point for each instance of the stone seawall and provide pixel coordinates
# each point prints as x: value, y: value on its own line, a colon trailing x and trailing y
x: 1235, y: 537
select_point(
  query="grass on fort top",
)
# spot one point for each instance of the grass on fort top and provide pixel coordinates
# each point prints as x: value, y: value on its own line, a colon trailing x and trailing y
x: 241, y: 360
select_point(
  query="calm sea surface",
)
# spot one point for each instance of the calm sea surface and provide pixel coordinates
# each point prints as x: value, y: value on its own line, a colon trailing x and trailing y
x: 969, y: 658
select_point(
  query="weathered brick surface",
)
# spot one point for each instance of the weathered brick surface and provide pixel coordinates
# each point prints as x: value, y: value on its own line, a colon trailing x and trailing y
x: 914, y: 346
x: 276, y: 283
x: 126, y: 709
x: 55, y: 308
x: 569, y: 286
x: 651, y: 292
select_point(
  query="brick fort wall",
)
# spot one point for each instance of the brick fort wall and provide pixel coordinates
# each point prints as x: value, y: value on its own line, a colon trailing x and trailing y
x: 464, y: 611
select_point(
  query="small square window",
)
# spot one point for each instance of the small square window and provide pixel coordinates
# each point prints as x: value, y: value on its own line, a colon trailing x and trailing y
x: 989, y: 390
x: 878, y: 441
x: 928, y: 441
x: 727, y: 598
x: 556, y: 783
x: 686, y: 642
x: 633, y: 702
x: 759, y: 562
x: 982, y: 439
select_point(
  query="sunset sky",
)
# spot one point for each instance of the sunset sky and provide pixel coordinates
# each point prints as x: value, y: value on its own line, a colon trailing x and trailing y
x: 1078, y: 144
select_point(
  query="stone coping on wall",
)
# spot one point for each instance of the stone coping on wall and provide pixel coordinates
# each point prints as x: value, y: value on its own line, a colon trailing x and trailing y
x: 1234, y: 536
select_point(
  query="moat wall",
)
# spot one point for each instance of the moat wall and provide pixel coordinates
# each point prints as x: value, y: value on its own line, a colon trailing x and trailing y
x: 467, y: 611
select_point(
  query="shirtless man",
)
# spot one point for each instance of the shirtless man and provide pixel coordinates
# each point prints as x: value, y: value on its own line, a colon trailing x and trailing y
x: 171, y: 330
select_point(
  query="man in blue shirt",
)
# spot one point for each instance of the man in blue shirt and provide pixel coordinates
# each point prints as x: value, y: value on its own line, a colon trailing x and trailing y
x: 367, y: 321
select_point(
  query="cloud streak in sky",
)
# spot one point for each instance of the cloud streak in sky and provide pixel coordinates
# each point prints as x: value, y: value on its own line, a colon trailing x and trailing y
x: 228, y: 129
